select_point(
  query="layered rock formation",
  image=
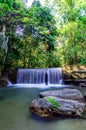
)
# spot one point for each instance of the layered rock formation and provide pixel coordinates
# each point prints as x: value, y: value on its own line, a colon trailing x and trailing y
x: 66, y: 93
x: 68, y: 106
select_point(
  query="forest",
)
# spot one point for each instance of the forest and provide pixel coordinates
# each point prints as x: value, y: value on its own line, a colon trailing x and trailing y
x: 42, y: 36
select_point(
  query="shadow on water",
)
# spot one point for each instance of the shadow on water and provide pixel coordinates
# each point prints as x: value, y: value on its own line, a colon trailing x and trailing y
x: 55, y: 118
x: 46, y: 120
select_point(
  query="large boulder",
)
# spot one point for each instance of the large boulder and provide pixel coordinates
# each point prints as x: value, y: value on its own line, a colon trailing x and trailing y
x: 44, y: 108
x: 66, y: 93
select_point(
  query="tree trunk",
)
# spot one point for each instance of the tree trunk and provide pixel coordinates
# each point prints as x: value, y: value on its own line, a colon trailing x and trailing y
x: 75, y: 59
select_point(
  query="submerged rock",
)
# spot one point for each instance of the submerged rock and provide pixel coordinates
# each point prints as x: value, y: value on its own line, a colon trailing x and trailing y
x: 73, y: 94
x: 67, y: 107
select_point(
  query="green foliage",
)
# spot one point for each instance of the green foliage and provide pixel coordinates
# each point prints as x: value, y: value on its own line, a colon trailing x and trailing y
x: 53, y: 35
x: 43, y: 25
x: 5, y: 5
x: 72, y: 30
x: 54, y: 103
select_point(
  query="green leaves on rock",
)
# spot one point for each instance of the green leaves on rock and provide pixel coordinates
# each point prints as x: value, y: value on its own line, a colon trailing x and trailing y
x: 53, y: 102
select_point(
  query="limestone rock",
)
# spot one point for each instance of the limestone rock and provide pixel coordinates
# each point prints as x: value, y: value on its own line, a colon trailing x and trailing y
x: 73, y: 94
x: 43, y: 108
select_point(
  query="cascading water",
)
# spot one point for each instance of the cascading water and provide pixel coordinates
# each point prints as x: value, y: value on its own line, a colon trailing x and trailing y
x: 54, y: 75
x: 31, y: 76
x: 40, y: 76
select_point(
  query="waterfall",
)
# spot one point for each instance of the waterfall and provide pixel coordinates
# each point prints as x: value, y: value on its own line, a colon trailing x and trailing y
x: 31, y: 76
x: 9, y: 83
x: 40, y: 76
x: 54, y: 75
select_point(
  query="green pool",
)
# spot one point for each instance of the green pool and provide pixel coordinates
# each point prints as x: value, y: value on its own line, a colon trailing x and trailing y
x: 15, y: 114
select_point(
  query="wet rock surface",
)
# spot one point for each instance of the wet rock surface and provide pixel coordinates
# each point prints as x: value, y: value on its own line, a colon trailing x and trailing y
x: 67, y: 107
x: 82, y: 84
x: 71, y: 107
x: 73, y: 94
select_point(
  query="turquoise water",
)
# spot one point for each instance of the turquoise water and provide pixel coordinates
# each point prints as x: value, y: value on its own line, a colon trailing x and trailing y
x: 15, y: 114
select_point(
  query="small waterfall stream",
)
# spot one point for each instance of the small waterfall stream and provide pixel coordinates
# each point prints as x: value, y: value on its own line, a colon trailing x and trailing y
x: 54, y: 75
x: 40, y: 76
x: 31, y: 76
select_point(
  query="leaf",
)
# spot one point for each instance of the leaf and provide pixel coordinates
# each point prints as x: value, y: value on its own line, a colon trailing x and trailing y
x: 53, y: 102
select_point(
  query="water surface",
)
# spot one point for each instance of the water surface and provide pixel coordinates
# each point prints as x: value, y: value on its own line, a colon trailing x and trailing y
x: 15, y: 114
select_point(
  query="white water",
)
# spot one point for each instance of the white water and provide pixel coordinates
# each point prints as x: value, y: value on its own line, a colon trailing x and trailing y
x: 31, y: 76
x: 41, y: 86
x: 50, y: 76
x: 9, y: 83
x: 54, y: 75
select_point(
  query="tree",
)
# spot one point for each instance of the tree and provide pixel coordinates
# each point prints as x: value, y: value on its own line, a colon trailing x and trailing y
x: 32, y: 34
x: 43, y: 24
x: 39, y: 30
x: 7, y: 21
x: 71, y: 17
